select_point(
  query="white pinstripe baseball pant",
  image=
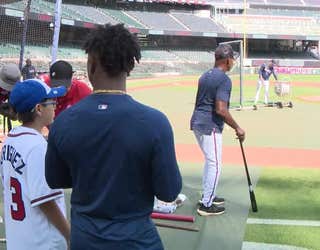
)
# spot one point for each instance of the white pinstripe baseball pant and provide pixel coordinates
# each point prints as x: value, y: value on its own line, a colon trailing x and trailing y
x: 211, y: 147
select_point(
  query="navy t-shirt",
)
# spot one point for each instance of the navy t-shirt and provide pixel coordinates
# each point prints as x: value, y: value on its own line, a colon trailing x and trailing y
x: 265, y: 72
x: 213, y: 85
x: 116, y: 154
x: 28, y: 72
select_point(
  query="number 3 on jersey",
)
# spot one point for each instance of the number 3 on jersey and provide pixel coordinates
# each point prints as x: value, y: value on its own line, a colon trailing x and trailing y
x: 17, y: 212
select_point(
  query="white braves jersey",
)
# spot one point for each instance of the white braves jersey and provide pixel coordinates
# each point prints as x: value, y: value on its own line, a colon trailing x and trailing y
x: 25, y: 188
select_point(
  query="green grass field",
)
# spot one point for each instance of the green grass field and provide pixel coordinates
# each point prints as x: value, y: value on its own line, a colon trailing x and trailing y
x: 282, y: 192
x: 290, y: 194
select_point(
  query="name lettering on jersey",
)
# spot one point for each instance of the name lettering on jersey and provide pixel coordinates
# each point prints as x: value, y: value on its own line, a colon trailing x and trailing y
x: 9, y: 153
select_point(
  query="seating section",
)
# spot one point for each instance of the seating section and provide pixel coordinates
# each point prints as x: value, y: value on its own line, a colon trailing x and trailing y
x: 196, y: 23
x: 312, y: 2
x: 280, y: 55
x: 93, y: 14
x: 156, y: 20
x: 122, y: 17
x: 8, y: 50
x: 157, y: 55
x: 272, y: 2
x: 254, y: 1
x: 271, y: 25
x: 285, y: 2
x: 194, y: 56
x: 283, y: 12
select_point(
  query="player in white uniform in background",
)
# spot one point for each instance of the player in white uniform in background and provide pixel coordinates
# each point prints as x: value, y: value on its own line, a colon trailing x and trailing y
x: 35, y: 215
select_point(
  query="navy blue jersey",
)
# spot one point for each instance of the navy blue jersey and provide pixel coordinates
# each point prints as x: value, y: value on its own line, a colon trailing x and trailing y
x: 116, y: 154
x: 213, y: 85
x: 28, y: 72
x: 266, y: 71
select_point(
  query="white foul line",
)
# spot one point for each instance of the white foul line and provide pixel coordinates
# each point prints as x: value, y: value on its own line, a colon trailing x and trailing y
x: 308, y: 223
x: 264, y: 246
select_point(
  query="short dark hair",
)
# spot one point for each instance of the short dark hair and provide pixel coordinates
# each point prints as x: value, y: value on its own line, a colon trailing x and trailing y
x: 116, y: 48
x: 26, y: 117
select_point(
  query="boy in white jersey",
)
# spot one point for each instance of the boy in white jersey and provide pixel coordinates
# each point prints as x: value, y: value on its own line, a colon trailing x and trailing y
x: 34, y: 213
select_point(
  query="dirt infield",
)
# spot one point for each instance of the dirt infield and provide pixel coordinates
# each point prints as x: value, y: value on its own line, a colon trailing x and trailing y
x: 264, y: 157
x: 310, y: 98
x: 194, y: 82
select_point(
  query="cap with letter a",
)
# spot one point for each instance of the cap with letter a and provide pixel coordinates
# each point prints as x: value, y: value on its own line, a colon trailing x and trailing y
x: 27, y: 94
x: 224, y: 51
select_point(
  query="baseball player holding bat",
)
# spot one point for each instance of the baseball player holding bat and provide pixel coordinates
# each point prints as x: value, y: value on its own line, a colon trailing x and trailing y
x: 209, y: 115
x: 265, y: 72
x: 34, y: 213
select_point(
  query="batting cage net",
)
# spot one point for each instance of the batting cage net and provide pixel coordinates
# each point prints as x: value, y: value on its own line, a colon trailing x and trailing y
x: 236, y: 75
x: 22, y: 36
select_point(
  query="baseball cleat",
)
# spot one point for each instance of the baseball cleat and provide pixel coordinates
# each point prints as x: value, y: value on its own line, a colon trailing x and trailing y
x: 216, y: 201
x: 213, y: 210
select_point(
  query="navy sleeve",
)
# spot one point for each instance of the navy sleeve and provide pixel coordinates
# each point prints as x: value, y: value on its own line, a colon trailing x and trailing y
x: 224, y: 90
x: 56, y: 170
x: 263, y: 66
x: 24, y: 72
x: 274, y: 74
x: 166, y: 176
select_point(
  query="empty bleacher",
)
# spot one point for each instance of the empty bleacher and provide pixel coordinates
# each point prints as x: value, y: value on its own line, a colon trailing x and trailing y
x: 254, y: 24
x: 285, y: 2
x: 271, y: 2
x: 312, y: 2
x: 283, y: 12
x: 156, y: 20
x: 157, y: 55
x: 196, y: 23
x: 93, y: 14
x: 122, y: 17
x: 8, y: 50
x: 193, y: 56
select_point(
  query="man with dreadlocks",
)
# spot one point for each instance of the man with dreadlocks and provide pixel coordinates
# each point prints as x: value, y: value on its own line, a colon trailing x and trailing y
x: 116, y: 153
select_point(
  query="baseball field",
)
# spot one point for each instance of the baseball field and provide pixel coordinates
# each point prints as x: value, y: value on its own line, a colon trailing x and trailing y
x: 282, y: 148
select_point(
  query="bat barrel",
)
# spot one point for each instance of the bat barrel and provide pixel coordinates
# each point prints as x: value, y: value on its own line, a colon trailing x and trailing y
x: 174, y: 217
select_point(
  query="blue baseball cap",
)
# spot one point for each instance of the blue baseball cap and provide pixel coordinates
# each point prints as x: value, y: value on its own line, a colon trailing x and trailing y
x: 27, y: 94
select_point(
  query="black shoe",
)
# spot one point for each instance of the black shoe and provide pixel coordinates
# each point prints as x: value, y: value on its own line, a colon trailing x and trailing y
x: 213, y: 210
x: 216, y: 201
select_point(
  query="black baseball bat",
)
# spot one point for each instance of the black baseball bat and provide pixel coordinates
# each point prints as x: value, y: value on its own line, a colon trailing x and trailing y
x: 251, y: 192
x: 160, y: 224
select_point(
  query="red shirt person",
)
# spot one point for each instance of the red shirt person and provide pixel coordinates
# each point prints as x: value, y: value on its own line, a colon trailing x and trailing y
x: 61, y: 75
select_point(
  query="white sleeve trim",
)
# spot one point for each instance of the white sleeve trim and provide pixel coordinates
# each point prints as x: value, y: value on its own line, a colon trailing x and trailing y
x: 46, y: 198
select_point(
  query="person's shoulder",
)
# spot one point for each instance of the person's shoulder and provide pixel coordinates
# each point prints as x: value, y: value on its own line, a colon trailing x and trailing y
x: 28, y: 136
x: 61, y: 121
x: 221, y: 75
x: 80, y: 85
x: 207, y: 75
x: 78, y: 82
x: 150, y: 112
